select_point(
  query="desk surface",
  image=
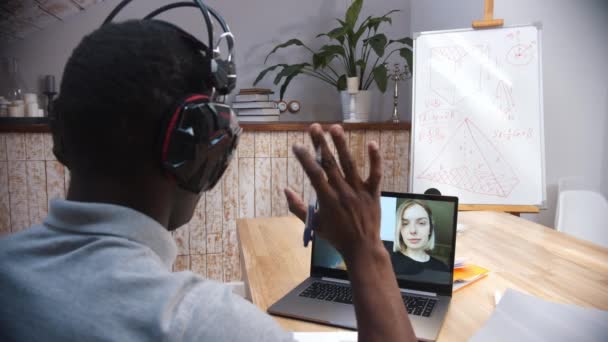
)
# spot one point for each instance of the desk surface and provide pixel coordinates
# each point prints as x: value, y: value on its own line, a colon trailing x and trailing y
x: 521, y: 255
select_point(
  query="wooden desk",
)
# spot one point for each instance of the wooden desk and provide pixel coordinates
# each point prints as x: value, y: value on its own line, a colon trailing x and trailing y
x: 521, y: 254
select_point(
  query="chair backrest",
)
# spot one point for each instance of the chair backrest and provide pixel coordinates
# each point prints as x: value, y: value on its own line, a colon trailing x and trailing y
x: 582, y: 212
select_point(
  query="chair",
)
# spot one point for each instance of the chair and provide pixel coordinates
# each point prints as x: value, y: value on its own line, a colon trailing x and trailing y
x: 582, y: 211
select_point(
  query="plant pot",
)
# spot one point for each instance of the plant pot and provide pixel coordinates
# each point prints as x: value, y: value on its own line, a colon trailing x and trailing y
x: 362, y: 106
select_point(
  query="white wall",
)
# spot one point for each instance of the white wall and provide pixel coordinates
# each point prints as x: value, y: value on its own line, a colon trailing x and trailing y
x: 258, y: 26
x: 575, y: 78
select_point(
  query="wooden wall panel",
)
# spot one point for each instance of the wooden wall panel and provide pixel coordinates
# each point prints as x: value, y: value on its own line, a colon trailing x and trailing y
x: 246, y: 148
x: 3, y: 154
x: 278, y: 184
x: 55, y: 180
x: 215, y: 268
x: 231, y: 195
x: 358, y: 149
x: 198, y: 264
x: 213, y: 209
x: 263, y: 144
x: 15, y: 146
x: 198, y: 231
x: 17, y: 188
x: 182, y: 263
x: 246, y: 187
x: 48, y: 146
x: 294, y: 138
x: 402, y: 157
x: 34, y: 146
x: 262, y: 187
x: 263, y: 166
x: 231, y: 257
x: 5, y: 212
x: 36, y: 191
x: 278, y: 147
x: 182, y: 239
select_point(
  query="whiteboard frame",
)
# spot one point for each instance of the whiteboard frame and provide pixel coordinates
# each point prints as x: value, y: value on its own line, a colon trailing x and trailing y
x: 538, y: 25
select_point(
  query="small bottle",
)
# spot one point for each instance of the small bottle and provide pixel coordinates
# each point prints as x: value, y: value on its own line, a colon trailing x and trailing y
x: 16, y: 85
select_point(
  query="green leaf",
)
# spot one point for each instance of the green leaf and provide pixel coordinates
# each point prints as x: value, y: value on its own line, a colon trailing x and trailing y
x: 378, y: 43
x: 288, y: 71
x: 380, y: 77
x: 265, y: 71
x: 361, y: 64
x: 342, y: 83
x: 362, y: 29
x: 286, y: 83
x: 326, y: 55
x: 407, y: 41
x: 284, y: 45
x: 337, y: 34
x: 352, y: 13
x: 406, y: 53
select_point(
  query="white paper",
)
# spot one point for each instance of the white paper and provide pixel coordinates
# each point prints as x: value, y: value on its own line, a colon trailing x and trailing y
x: 477, y: 117
x: 521, y: 317
x: 341, y: 336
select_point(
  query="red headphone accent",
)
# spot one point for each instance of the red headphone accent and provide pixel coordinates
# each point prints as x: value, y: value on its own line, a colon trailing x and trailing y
x: 173, y: 122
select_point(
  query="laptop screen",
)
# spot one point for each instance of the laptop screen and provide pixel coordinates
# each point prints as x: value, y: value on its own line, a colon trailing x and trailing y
x: 418, y: 231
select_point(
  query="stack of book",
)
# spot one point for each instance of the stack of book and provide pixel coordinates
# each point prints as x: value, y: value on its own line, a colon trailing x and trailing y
x: 466, y: 274
x: 254, y: 104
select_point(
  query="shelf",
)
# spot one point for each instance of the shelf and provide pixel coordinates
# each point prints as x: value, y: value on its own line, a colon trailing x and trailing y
x: 303, y: 126
x: 24, y: 125
x: 41, y: 125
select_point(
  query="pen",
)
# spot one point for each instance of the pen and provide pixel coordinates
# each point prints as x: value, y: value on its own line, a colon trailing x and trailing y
x: 312, y: 207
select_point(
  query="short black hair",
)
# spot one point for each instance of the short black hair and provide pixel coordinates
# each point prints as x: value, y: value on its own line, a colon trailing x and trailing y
x: 118, y: 86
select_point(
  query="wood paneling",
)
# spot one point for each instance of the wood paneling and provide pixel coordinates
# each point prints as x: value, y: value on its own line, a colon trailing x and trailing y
x: 5, y: 212
x: 263, y: 165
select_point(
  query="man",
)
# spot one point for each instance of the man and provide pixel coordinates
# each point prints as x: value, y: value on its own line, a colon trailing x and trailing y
x: 98, y: 267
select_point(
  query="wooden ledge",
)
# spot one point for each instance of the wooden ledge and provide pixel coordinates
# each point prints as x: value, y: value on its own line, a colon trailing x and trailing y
x: 24, y: 125
x: 41, y: 125
x: 303, y: 126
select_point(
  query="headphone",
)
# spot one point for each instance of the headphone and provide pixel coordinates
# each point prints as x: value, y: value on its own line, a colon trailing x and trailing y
x: 198, y: 136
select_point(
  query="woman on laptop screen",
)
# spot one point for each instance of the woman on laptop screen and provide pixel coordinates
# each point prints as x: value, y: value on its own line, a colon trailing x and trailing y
x: 414, y: 239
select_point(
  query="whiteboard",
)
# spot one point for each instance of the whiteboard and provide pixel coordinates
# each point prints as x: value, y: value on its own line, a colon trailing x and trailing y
x: 477, y: 117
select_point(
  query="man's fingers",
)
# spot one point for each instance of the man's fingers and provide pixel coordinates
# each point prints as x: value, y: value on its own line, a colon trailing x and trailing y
x: 375, y: 168
x: 328, y: 162
x: 346, y: 160
x: 313, y: 171
x: 296, y: 205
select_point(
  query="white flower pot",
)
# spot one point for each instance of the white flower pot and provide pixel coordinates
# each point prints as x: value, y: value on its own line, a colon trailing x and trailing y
x: 361, y: 109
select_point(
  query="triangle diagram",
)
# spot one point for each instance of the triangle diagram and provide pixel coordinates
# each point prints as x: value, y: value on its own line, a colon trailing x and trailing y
x: 469, y: 161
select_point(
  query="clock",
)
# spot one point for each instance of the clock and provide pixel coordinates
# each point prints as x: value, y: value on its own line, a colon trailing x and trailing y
x: 282, y: 106
x: 293, y: 106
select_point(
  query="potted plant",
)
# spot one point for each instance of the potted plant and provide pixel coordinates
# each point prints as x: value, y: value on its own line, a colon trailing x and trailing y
x: 355, y: 56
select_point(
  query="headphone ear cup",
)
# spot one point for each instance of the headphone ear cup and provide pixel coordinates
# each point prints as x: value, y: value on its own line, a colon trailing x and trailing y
x: 224, y: 76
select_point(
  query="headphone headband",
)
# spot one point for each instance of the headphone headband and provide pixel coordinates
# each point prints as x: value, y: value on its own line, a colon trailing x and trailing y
x: 223, y: 70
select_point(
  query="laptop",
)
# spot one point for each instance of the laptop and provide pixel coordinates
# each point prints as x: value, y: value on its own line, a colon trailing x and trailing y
x: 419, y: 231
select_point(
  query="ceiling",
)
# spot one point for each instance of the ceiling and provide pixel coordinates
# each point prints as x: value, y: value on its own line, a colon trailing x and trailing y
x: 18, y: 18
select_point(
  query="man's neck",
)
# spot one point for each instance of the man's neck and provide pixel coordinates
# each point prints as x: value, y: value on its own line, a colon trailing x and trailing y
x: 137, y: 193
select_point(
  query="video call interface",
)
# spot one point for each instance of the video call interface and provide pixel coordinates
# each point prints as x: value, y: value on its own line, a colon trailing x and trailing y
x: 418, y: 235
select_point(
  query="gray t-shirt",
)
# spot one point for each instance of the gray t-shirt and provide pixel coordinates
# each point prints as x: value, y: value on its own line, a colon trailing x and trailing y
x: 101, y: 272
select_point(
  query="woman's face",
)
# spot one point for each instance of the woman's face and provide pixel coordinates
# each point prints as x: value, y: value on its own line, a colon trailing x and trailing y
x: 415, y: 227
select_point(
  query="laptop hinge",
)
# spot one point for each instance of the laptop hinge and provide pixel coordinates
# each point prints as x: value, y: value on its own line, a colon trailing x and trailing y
x: 336, y: 280
x: 423, y: 293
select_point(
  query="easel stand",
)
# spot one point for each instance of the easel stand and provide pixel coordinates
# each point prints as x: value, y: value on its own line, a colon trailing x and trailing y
x: 511, y: 209
x: 488, y: 17
x: 488, y: 21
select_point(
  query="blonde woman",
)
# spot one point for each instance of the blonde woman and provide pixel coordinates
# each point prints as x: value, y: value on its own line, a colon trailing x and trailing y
x: 414, y: 238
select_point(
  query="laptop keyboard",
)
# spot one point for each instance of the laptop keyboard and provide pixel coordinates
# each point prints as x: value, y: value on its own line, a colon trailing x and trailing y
x: 419, y: 306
